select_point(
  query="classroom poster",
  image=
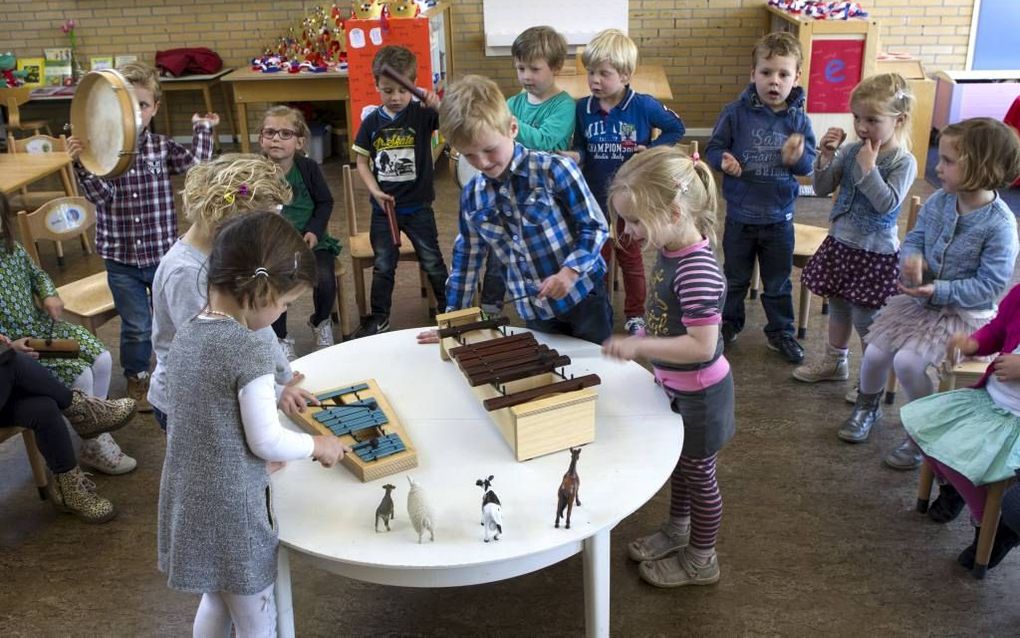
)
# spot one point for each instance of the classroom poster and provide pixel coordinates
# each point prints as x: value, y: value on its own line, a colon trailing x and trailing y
x: 836, y: 67
x: 36, y: 68
x: 364, y: 39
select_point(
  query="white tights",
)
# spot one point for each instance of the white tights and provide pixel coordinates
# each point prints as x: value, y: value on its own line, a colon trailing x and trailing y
x: 252, y: 616
x: 95, y: 380
x: 910, y: 371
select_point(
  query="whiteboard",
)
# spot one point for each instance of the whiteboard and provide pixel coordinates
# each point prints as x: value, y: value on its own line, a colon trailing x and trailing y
x: 577, y: 20
x: 993, y: 30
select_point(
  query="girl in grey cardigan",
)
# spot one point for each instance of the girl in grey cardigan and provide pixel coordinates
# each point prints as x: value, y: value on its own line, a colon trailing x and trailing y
x: 955, y: 263
x: 217, y: 534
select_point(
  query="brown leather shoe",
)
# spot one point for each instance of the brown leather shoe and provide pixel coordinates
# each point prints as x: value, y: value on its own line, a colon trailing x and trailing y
x: 138, y: 389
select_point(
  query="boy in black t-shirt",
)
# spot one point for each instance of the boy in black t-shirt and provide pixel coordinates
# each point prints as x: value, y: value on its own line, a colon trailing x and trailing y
x: 394, y: 158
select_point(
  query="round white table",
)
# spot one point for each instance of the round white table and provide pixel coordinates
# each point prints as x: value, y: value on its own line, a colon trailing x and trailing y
x: 330, y: 515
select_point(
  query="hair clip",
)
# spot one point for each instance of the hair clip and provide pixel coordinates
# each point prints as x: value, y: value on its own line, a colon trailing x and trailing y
x: 683, y: 187
x: 696, y: 157
x: 242, y: 190
x: 260, y: 272
x: 229, y: 198
x: 900, y: 94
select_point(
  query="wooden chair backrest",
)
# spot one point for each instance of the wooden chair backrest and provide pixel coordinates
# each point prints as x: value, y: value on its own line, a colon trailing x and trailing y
x: 57, y: 220
x: 39, y: 144
x: 12, y: 98
x: 349, y: 207
x: 915, y: 208
x: 688, y: 147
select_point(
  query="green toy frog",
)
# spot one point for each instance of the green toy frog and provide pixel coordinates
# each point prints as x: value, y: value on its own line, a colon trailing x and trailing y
x: 9, y: 77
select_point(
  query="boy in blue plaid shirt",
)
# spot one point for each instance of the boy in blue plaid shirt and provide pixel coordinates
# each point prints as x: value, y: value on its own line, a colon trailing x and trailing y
x: 534, y: 210
x: 136, y: 222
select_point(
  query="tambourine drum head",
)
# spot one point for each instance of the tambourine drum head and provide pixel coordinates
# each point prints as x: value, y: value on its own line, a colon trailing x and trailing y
x: 465, y: 171
x: 106, y: 117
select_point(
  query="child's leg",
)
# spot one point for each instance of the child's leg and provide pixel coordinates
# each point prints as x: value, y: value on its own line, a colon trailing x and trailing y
x: 973, y: 495
x: 385, y: 265
x: 324, y: 293
x: 42, y: 415
x: 875, y: 369
x: 102, y: 372
x: 628, y: 255
x: 911, y: 371
x: 775, y: 262
x: 740, y: 251
x: 84, y: 382
x: 841, y: 315
x: 253, y: 615
x: 862, y: 320
x: 101, y: 452
x: 420, y: 228
x: 675, y: 532
x: 130, y: 286
x: 212, y: 618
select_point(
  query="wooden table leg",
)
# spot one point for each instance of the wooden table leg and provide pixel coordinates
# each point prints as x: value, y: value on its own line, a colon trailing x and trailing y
x: 242, y: 127
x: 230, y: 112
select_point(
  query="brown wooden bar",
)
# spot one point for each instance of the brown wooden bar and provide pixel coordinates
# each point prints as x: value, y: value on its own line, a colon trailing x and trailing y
x: 493, y: 367
x: 481, y: 346
x: 521, y: 373
x: 456, y: 331
x: 524, y: 354
x: 524, y: 396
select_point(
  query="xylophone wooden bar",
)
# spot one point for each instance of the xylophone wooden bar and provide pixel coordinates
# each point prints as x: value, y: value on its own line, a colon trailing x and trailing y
x: 476, y: 349
x: 517, y: 398
x: 456, y: 331
x: 516, y: 374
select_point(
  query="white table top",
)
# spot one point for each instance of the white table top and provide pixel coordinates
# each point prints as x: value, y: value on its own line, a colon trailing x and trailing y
x: 330, y: 514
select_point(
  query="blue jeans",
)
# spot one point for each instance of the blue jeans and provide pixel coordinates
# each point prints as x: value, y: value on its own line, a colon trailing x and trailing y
x: 772, y: 246
x: 591, y: 319
x: 420, y: 228
x: 132, y: 289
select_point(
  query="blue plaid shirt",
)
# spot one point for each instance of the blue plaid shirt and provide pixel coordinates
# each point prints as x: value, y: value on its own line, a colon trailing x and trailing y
x: 538, y: 217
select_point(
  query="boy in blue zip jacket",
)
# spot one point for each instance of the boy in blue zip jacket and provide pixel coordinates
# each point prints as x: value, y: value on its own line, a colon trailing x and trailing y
x: 761, y: 142
x: 612, y: 125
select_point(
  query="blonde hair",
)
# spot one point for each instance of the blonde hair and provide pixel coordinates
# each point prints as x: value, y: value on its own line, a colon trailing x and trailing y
x: 887, y: 94
x: 780, y: 43
x: 664, y: 179
x: 143, y: 75
x: 540, y: 43
x: 472, y: 106
x: 989, y: 153
x: 232, y: 185
x: 613, y: 47
x: 295, y: 117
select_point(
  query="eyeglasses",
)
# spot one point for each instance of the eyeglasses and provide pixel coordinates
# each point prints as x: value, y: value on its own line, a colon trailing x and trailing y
x: 284, y: 133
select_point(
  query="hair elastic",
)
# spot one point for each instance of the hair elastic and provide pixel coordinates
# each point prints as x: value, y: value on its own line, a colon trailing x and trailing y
x: 261, y: 272
x: 696, y: 157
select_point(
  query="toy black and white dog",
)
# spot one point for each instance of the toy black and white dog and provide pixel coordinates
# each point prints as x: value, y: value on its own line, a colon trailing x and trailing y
x: 492, y: 513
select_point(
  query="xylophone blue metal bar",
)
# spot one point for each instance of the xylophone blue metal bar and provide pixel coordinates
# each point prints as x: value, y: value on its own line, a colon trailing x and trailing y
x: 380, y: 447
x: 373, y: 418
x: 342, y: 391
x: 359, y: 407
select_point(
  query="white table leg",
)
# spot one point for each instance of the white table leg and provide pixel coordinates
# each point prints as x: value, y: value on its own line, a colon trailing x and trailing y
x: 596, y: 584
x: 284, y: 601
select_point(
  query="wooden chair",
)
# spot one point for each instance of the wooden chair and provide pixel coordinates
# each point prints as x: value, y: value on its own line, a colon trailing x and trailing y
x: 967, y: 373
x: 87, y: 301
x: 35, y: 457
x: 362, y: 256
x: 806, y: 241
x: 11, y: 99
x: 339, y: 313
x: 29, y: 200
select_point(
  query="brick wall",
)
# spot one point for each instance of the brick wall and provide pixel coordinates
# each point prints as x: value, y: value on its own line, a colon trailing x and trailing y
x: 704, y: 44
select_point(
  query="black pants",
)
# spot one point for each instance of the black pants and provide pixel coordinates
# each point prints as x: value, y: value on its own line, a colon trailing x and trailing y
x: 31, y: 397
x: 323, y: 294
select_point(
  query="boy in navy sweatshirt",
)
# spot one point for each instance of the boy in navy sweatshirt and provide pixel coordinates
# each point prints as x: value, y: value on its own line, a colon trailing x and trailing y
x: 612, y: 125
x: 761, y: 142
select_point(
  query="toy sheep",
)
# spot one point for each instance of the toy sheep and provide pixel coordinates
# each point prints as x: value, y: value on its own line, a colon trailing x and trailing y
x: 385, y: 510
x: 418, y: 510
x: 492, y: 512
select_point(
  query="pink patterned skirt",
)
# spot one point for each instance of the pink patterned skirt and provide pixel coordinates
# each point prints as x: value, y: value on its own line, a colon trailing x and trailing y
x: 861, y: 277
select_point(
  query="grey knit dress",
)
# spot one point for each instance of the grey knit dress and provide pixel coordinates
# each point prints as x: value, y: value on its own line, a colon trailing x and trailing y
x: 216, y: 524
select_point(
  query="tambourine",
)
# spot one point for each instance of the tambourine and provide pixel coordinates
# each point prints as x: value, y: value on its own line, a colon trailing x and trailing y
x: 55, y: 348
x: 461, y: 170
x: 106, y: 118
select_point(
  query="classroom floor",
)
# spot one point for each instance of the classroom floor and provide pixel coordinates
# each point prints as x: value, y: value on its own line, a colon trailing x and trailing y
x: 818, y: 537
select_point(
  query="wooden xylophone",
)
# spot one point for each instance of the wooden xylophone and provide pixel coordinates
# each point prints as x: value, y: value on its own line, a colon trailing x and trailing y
x: 362, y: 417
x: 522, y: 383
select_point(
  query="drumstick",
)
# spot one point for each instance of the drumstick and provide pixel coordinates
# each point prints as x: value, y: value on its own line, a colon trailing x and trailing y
x: 391, y: 216
x: 392, y: 74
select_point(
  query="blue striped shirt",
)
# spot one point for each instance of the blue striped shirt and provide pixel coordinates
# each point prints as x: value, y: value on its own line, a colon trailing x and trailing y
x: 538, y: 217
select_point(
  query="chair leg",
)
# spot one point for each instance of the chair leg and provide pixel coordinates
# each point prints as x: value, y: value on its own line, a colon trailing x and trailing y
x: 805, y: 310
x: 60, y: 252
x: 825, y: 305
x: 359, y: 289
x: 341, y: 312
x: 924, y: 488
x: 430, y: 298
x: 38, y: 463
x: 890, y: 388
x: 989, y: 523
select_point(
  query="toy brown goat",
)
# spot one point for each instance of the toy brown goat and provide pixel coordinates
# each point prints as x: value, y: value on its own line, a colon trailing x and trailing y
x: 569, y: 489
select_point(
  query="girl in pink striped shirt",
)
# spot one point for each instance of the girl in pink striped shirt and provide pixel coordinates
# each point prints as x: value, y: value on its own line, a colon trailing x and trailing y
x: 668, y: 200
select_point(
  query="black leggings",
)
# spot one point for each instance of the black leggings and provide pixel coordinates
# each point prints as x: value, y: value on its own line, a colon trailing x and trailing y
x: 30, y: 396
x: 323, y: 295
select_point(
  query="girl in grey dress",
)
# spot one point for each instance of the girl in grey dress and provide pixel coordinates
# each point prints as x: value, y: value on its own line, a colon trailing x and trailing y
x: 217, y: 535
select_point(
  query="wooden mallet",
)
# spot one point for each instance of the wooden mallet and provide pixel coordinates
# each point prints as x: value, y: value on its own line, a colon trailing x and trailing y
x: 403, y: 81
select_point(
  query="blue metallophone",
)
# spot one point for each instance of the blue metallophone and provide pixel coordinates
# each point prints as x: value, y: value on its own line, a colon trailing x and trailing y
x: 378, y: 448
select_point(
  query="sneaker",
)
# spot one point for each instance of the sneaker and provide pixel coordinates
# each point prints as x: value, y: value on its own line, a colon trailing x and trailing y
x: 287, y: 345
x: 729, y: 333
x: 658, y: 545
x: 906, y: 456
x: 1005, y: 540
x: 74, y: 493
x: 323, y: 333
x: 635, y: 326
x: 138, y: 389
x: 372, y: 326
x: 947, y: 506
x: 103, y: 454
x: 679, y: 570
x: 787, y: 346
x: 831, y: 367
x: 91, y: 416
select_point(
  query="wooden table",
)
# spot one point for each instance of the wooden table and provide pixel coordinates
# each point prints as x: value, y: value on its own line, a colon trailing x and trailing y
x: 18, y: 170
x: 649, y: 78
x: 255, y: 86
x: 327, y: 514
x: 202, y: 83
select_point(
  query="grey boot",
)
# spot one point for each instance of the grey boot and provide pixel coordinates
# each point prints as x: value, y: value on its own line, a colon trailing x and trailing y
x: 866, y: 414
